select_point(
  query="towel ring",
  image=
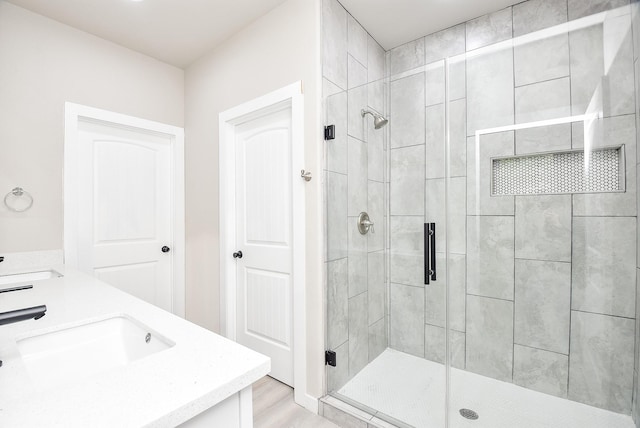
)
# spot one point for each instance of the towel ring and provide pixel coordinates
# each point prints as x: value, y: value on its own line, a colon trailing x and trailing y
x: 18, y: 200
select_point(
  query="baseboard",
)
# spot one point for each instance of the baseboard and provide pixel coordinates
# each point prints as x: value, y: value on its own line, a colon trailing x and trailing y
x: 307, y: 401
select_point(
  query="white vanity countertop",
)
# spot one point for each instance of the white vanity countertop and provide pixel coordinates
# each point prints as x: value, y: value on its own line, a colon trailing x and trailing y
x: 161, y: 390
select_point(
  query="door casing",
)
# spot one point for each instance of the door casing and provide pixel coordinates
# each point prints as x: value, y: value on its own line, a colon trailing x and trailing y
x: 74, y: 114
x: 228, y: 120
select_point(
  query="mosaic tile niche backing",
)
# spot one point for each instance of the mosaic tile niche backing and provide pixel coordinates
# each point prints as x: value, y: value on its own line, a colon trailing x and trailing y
x: 561, y: 172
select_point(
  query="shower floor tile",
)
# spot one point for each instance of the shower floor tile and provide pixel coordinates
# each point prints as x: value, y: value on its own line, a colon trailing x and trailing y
x: 411, y: 389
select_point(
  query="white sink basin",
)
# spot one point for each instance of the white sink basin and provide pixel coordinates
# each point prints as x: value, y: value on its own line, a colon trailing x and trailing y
x: 74, y: 353
x: 28, y: 277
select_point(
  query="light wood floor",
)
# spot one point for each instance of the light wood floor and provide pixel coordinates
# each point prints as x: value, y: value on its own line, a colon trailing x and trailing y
x: 273, y: 407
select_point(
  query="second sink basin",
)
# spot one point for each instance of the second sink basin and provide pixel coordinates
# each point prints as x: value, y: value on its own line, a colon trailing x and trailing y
x: 74, y: 353
x: 28, y: 276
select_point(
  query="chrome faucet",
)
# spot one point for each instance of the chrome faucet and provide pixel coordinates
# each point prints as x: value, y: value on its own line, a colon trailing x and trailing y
x: 35, y: 312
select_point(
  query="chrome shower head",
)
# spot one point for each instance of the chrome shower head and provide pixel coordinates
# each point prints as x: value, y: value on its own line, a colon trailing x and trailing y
x: 378, y: 120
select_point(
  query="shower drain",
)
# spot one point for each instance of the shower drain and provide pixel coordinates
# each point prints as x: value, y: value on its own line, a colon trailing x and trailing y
x: 469, y: 414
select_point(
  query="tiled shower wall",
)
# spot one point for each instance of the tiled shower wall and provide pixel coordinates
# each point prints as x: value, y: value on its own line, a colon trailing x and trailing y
x: 635, y: 20
x: 353, y: 72
x: 542, y: 288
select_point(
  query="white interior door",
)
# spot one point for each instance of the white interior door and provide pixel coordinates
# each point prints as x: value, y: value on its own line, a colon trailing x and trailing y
x: 264, y: 273
x: 125, y: 209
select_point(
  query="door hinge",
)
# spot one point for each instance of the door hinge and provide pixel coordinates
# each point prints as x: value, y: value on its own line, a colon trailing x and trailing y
x: 330, y: 132
x: 330, y: 358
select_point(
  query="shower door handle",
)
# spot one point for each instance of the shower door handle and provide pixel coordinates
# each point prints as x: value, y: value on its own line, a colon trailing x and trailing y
x: 429, y: 252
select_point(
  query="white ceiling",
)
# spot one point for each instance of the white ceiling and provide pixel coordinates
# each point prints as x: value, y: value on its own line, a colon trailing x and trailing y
x: 180, y: 31
x: 395, y: 22
x: 174, y: 31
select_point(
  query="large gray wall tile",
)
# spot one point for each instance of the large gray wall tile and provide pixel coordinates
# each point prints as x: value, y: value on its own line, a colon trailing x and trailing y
x: 534, y: 15
x: 407, y: 234
x: 543, y: 227
x: 544, y: 100
x: 435, y: 211
x: 582, y: 8
x: 376, y: 101
x: 589, y: 62
x: 543, y: 139
x: 457, y: 138
x: 357, y: 176
x: 479, y: 172
x: 608, y: 132
x: 407, y: 254
x: 329, y: 88
x: 375, y: 60
x: 339, y: 375
x: 618, y: 48
x: 457, y: 215
x: 601, y: 361
x: 603, y: 268
x: 334, y: 46
x: 376, y: 215
x: 457, y: 77
x: 406, y: 315
x: 337, y: 303
x: 406, y: 57
x: 336, y: 107
x: 435, y: 80
x: 540, y: 60
x: 635, y: 29
x: 357, y: 40
x: 407, y: 122
x: 407, y: 268
x: 490, y: 337
x: 540, y: 370
x: 358, y: 334
x: 375, y: 159
x: 356, y: 73
x: 488, y: 29
x: 543, y: 305
x: 490, y: 246
x: 357, y: 259
x: 336, y: 216
x: 434, y: 86
x: 407, y: 181
x: 377, y: 338
x: 435, y: 207
x: 490, y: 90
x: 435, y: 142
x: 376, y: 290
x: 445, y: 43
x: 436, y: 303
x: 357, y: 100
x: 636, y: 358
x: 435, y: 341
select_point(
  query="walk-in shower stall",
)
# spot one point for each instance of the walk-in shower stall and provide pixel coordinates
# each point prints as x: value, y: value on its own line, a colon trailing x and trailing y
x: 493, y: 282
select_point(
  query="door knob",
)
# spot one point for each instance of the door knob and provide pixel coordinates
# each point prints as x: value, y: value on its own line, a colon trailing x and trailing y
x: 166, y: 249
x: 237, y: 255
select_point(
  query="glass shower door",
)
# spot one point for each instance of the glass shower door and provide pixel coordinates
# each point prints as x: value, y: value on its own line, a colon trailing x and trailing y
x: 541, y: 226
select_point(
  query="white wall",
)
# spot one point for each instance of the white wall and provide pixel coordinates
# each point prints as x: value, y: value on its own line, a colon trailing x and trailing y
x: 276, y: 50
x: 43, y: 64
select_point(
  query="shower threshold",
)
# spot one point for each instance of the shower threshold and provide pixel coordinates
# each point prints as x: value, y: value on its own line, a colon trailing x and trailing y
x: 410, y: 389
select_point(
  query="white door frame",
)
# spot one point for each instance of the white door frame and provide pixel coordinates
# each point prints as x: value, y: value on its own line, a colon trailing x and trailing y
x: 74, y: 113
x: 227, y: 169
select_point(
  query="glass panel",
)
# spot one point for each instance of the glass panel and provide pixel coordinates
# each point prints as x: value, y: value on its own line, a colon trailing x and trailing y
x: 356, y: 261
x: 542, y: 296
